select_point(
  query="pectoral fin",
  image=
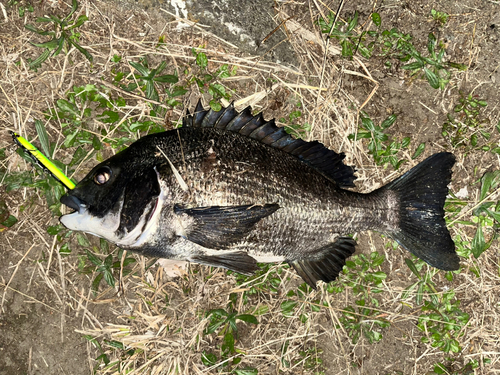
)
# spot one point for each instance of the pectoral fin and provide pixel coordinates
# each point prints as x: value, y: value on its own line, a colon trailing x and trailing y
x: 328, y: 264
x: 238, y: 261
x: 219, y: 227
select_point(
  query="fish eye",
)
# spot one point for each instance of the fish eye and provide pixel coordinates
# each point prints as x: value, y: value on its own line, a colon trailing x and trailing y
x: 102, y: 175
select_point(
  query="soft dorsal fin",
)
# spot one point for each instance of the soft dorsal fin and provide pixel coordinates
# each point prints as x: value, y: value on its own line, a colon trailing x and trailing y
x: 315, y: 154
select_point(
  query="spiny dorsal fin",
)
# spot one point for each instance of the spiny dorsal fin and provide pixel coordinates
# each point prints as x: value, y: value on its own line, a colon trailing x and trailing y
x: 315, y: 154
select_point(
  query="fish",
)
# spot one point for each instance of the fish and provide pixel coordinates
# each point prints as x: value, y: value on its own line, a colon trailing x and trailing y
x: 230, y: 189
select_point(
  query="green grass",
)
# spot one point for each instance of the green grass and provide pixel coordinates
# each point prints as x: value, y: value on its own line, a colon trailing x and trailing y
x: 394, y: 46
x: 363, y: 275
x: 23, y: 7
x: 440, y: 17
x: 293, y: 125
x: 384, y: 148
x: 468, y: 127
x: 63, y: 32
x: 224, y: 322
x: 6, y: 219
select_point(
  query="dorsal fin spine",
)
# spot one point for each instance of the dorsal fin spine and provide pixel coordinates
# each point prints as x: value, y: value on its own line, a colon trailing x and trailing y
x: 326, y: 161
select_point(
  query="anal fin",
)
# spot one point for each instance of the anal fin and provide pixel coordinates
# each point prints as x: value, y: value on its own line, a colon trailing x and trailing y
x: 328, y: 264
x: 238, y: 261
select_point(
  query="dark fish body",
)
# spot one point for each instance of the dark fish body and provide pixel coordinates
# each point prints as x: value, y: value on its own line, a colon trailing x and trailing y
x: 229, y: 189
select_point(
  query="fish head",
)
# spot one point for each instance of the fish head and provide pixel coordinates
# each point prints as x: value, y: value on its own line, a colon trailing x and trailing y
x: 117, y: 200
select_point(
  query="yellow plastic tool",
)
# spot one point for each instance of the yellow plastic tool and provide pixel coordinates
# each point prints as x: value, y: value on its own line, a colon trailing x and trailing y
x: 42, y: 161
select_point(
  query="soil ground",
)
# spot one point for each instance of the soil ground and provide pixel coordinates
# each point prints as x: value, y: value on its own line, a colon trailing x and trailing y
x: 52, y: 322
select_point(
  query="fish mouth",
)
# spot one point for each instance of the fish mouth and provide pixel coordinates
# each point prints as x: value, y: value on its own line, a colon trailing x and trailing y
x: 74, y: 219
x: 73, y: 202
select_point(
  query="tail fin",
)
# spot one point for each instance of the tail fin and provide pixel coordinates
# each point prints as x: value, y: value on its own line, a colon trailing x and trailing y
x: 422, y: 228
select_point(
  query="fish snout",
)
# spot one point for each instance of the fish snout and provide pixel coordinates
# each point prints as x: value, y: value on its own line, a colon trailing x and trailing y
x: 73, y: 202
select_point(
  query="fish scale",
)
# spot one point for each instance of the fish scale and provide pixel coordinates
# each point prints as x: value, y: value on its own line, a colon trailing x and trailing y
x: 255, y: 193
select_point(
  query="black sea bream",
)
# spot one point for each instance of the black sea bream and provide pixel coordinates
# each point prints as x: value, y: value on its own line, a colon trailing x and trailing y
x: 229, y: 189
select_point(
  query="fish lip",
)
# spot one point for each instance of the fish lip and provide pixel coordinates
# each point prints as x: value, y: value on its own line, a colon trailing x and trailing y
x: 73, y: 202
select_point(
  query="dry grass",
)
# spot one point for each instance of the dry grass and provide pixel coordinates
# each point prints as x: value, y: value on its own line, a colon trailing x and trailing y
x: 169, y: 335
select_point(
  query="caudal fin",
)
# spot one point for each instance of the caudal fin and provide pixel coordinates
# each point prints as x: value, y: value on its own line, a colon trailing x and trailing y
x: 422, y: 229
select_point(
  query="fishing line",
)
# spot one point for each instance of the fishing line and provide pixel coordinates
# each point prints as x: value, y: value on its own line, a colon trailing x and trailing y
x: 42, y: 161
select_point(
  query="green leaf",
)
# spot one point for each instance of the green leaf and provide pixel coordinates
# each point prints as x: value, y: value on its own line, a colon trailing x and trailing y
x: 67, y: 106
x: 346, y: 48
x: 431, y: 44
x: 365, y: 52
x: 247, y: 318
x: 82, y: 240
x: 178, y: 91
x: 43, y: 137
x: 379, y: 275
x: 9, y: 222
x: 143, y: 71
x: 65, y: 249
x: 215, y: 105
x: 74, y: 7
x: 70, y: 139
x: 96, y: 143
x: 377, y: 259
x: 96, y: 282
x: 51, y: 44
x: 81, y: 49
x: 93, y: 258
x: 128, y: 261
x: 478, y: 244
x: 432, y: 78
x: 108, y: 276
x: 246, y: 371
x: 368, y: 124
x: 488, y: 181
x: 60, y: 47
x: 208, y: 359
x: 54, y: 229
x: 201, y: 60
x: 36, y: 30
x: 287, y: 308
x: 494, y: 215
x: 419, y: 150
x: 457, y: 66
x: 228, y: 343
x: 389, y: 121
x: 109, y: 117
x: 44, y: 20
x: 377, y: 20
x: 52, y: 17
x: 413, y: 66
x: 151, y: 92
x: 473, y: 140
x: 79, y: 22
x: 40, y: 59
x: 412, y: 267
x: 167, y: 78
x: 439, y: 369
x: 78, y: 156
x: 354, y: 22
x: 115, y: 344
